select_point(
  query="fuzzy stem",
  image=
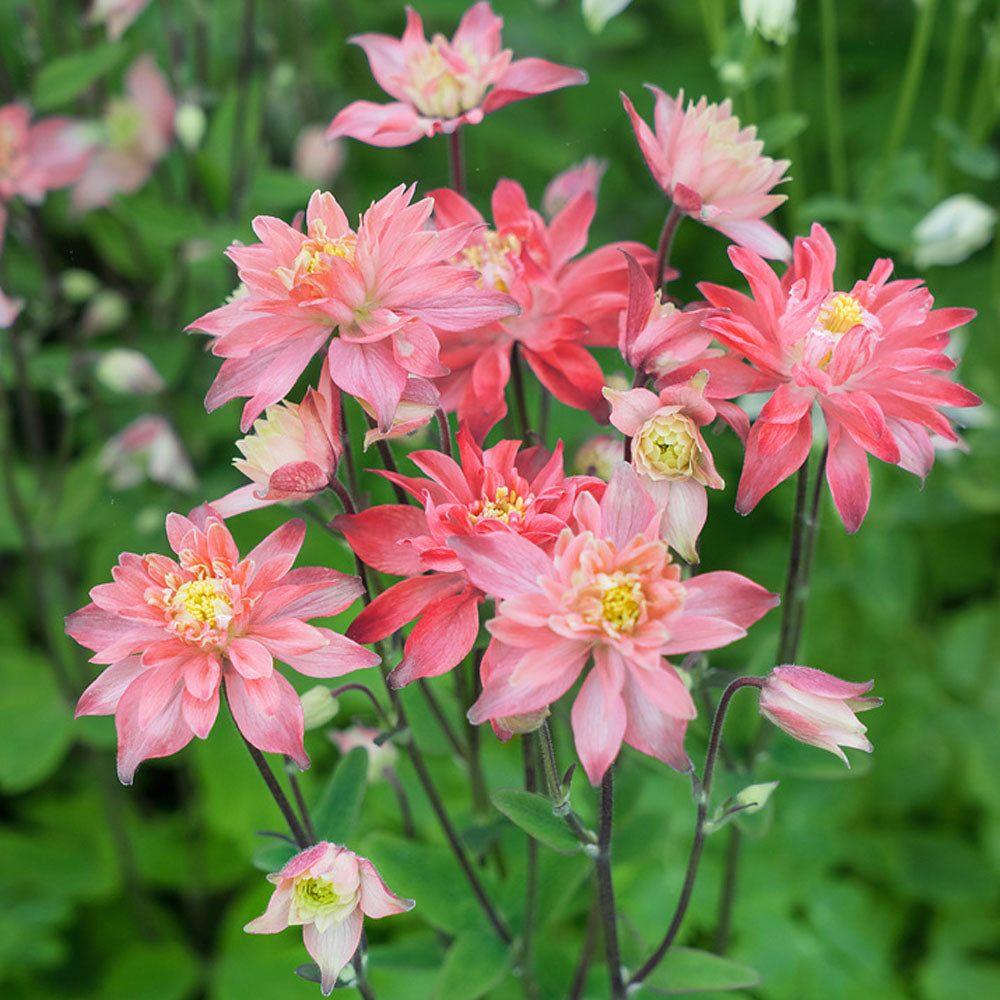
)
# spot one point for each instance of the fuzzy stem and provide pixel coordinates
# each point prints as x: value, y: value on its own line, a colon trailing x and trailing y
x: 290, y: 768
x: 700, y: 833
x: 442, y: 422
x: 605, y: 887
x: 456, y: 163
x: 670, y: 224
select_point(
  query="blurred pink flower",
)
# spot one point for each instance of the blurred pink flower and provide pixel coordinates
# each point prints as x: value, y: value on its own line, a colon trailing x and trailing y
x: 867, y: 357
x: 9, y: 310
x: 817, y: 708
x: 380, y: 754
x: 147, y: 448
x: 384, y: 290
x: 610, y: 592
x: 317, y: 158
x: 139, y: 128
x: 173, y: 630
x: 115, y: 15
x: 566, y: 304
x: 712, y: 170
x: 292, y: 454
x: 327, y: 890
x: 670, y: 455
x: 497, y: 490
x: 564, y: 187
x: 37, y: 158
x: 441, y: 85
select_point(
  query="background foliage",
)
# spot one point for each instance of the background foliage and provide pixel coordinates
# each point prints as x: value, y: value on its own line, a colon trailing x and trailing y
x: 880, y: 881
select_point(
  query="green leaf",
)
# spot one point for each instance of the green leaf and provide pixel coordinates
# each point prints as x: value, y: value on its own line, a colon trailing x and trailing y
x: 336, y: 813
x: 777, y: 132
x: 687, y: 970
x: 60, y: 80
x: 475, y: 963
x: 274, y: 855
x: 533, y: 814
x: 164, y: 971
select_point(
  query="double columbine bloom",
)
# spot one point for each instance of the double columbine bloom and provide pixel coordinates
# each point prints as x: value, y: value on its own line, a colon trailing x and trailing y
x: 440, y: 85
x: 327, y: 890
x: 868, y: 357
x: 173, y: 630
x: 607, y: 593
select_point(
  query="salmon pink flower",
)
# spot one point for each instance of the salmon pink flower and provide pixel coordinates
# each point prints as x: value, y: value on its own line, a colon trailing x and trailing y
x: 608, y: 592
x: 292, y: 454
x: 327, y: 890
x: 172, y: 630
x: 383, y: 290
x: 670, y: 455
x: 138, y: 130
x: 867, y: 357
x: 564, y: 187
x: 817, y: 708
x: 712, y: 170
x: 497, y: 490
x: 440, y: 85
x: 566, y: 304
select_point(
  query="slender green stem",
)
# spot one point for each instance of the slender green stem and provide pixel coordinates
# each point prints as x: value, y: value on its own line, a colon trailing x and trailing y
x: 442, y: 719
x: 290, y: 768
x: 531, y: 881
x: 586, y: 953
x: 670, y: 224
x: 795, y: 188
x: 389, y: 463
x: 836, y: 150
x: 983, y: 107
x: 605, y: 887
x: 361, y: 977
x: 698, y: 843
x: 517, y: 378
x: 954, y: 66
x: 730, y: 871
x: 245, y: 72
x: 277, y: 793
x: 915, y: 64
x: 364, y: 689
x: 405, y: 813
x: 348, y: 458
x: 553, y: 781
x: 456, y: 161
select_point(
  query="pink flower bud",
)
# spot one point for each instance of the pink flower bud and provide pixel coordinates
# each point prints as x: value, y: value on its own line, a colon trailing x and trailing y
x: 317, y: 158
x: 817, y: 708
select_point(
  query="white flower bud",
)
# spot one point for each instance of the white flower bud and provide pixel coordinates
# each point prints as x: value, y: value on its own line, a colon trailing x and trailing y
x: 953, y: 231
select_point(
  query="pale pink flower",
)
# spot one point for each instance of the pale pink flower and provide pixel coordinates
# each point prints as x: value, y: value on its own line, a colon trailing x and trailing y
x: 380, y: 754
x: 564, y: 187
x: 817, y: 708
x: 292, y: 454
x: 128, y: 372
x: 115, y: 15
x: 867, y: 357
x: 327, y: 890
x: 712, y: 170
x: 441, y: 85
x: 567, y: 303
x: 497, y: 490
x: 37, y: 158
x: 138, y: 130
x: 148, y: 448
x: 598, y: 456
x: 383, y: 290
x: 172, y: 631
x: 607, y: 592
x: 317, y: 158
x: 9, y: 310
x: 670, y: 455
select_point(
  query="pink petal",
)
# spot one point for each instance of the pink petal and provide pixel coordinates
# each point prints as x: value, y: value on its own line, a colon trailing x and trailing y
x: 501, y: 564
x: 332, y: 949
x: 627, y: 509
x: 275, y: 917
x: 598, y: 715
x: 440, y: 640
x: 165, y: 733
x: 104, y: 693
x: 847, y: 474
x: 400, y: 604
x: 652, y: 731
x: 376, y: 899
x: 337, y: 657
x: 250, y: 658
x: 276, y: 730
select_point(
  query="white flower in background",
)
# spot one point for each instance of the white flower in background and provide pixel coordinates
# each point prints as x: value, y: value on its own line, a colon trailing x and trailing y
x: 952, y: 231
x: 147, y: 448
x: 597, y: 13
x: 128, y: 372
x: 772, y: 19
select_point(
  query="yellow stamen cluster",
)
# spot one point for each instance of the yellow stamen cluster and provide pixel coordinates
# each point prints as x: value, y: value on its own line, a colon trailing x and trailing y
x: 622, y: 601
x: 435, y: 89
x: 314, y: 254
x: 320, y: 898
x: 492, y: 259
x: 840, y: 313
x: 504, y: 503
x: 204, y: 600
x: 666, y: 447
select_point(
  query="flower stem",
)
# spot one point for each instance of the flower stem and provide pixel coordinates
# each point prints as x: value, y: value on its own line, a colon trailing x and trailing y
x: 955, y: 63
x: 700, y: 829
x: 389, y: 464
x: 831, y: 98
x: 290, y: 767
x: 456, y: 161
x: 517, y: 377
x: 554, y: 783
x: 442, y: 422
x: 605, y: 887
x: 670, y: 224
x: 298, y: 832
x: 531, y: 880
x: 442, y: 719
x: 364, y: 689
x: 731, y: 869
x: 586, y: 953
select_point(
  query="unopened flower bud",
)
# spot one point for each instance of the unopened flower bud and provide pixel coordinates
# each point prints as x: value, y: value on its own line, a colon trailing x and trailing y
x: 317, y: 158
x: 953, y: 231
x: 189, y: 126
x: 77, y: 285
x: 318, y: 706
x: 128, y: 372
x: 519, y: 725
x: 105, y: 312
x: 773, y: 20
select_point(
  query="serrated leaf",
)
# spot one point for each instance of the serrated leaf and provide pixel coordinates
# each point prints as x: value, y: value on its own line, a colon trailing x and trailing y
x: 475, y: 963
x: 60, y: 80
x: 688, y: 970
x: 336, y: 813
x: 533, y: 814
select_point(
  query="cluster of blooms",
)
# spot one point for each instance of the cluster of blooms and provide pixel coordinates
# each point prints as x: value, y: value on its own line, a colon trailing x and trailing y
x: 424, y: 307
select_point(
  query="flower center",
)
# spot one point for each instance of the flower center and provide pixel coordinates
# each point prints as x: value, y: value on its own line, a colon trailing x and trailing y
x: 315, y: 253
x: 315, y: 897
x: 203, y: 601
x: 622, y: 601
x: 666, y: 447
x: 444, y: 82
x: 493, y: 259
x: 840, y: 313
x: 505, y: 503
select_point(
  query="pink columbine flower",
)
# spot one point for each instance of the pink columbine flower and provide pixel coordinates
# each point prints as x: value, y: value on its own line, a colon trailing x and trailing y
x: 381, y: 755
x: 670, y: 455
x: 608, y: 592
x: 327, y: 890
x: 440, y: 85
x: 867, y: 357
x: 148, y: 448
x: 383, y: 290
x: 564, y: 187
x: 565, y: 304
x: 712, y: 170
x: 817, y: 708
x: 172, y: 630
x: 292, y: 454
x: 138, y: 130
x: 37, y: 158
x: 497, y: 490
